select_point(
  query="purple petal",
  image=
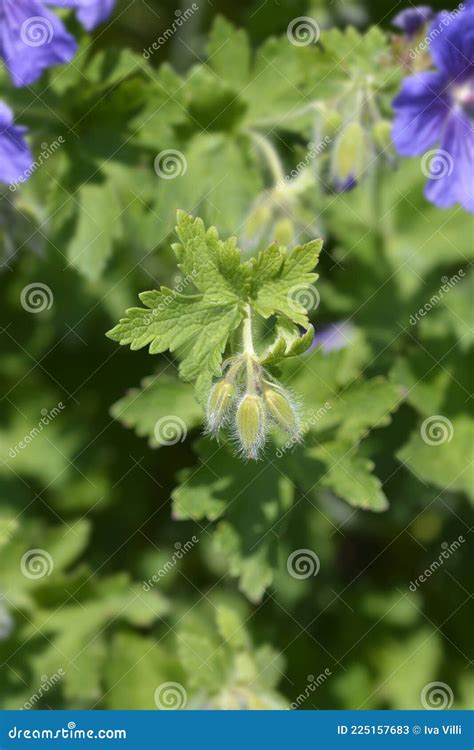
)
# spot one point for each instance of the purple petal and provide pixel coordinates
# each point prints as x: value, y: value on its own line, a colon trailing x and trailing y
x: 452, y: 166
x: 31, y: 40
x: 452, y: 43
x: 421, y: 109
x: 334, y: 336
x: 410, y: 20
x: 15, y: 156
x: 90, y: 13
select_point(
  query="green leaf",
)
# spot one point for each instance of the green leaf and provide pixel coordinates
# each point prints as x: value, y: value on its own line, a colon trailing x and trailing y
x: 159, y: 397
x: 440, y: 453
x: 289, y: 342
x: 203, y: 321
x: 98, y: 224
x: 248, y: 536
x: 281, y: 281
x: 350, y: 476
x: 229, y: 53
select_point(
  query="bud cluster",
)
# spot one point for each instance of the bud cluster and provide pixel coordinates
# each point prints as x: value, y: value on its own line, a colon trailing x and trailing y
x: 248, y: 401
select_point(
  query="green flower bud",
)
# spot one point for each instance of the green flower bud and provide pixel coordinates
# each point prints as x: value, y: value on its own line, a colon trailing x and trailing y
x: 350, y: 153
x: 382, y: 134
x: 281, y: 410
x: 284, y: 232
x: 332, y: 122
x: 257, y: 221
x: 219, y: 403
x: 251, y: 424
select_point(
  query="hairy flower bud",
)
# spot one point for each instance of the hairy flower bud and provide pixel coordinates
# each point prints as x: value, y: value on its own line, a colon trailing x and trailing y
x: 350, y: 152
x: 284, y: 232
x: 251, y: 424
x: 382, y: 134
x: 281, y: 410
x: 332, y: 121
x: 220, y: 400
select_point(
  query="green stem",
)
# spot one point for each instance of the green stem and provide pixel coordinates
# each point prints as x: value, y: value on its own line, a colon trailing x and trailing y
x: 271, y: 156
x: 247, y: 336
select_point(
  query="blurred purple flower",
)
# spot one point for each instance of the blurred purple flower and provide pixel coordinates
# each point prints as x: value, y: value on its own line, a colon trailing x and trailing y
x: 436, y: 108
x: 411, y: 20
x: 15, y: 156
x: 32, y: 38
x: 334, y: 337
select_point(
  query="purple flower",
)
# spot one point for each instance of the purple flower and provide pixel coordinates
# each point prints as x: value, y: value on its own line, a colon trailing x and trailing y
x: 90, y: 13
x: 411, y: 20
x: 15, y: 156
x: 435, y: 108
x: 334, y: 336
x: 32, y: 38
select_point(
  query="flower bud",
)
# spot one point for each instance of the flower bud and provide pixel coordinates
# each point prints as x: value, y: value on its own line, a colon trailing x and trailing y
x: 281, y: 410
x: 382, y: 134
x: 251, y: 424
x: 257, y: 222
x: 220, y: 400
x: 284, y: 232
x: 332, y: 122
x: 350, y: 152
